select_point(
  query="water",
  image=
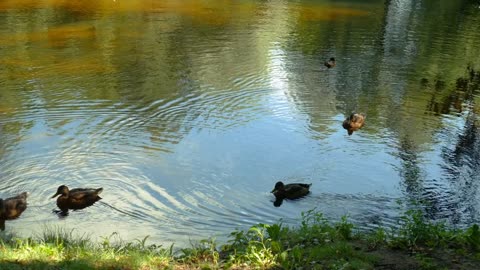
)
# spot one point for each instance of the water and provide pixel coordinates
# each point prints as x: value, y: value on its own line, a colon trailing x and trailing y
x: 188, y: 112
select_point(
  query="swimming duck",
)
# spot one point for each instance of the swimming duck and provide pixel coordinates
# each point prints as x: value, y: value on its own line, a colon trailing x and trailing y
x: 354, y: 122
x: 290, y: 191
x: 77, y: 198
x: 12, y: 208
x: 330, y: 63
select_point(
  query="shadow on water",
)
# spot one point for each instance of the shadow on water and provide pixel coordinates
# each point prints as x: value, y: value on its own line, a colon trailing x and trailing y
x: 137, y: 215
x: 278, y: 202
x: 460, y: 154
x: 462, y: 161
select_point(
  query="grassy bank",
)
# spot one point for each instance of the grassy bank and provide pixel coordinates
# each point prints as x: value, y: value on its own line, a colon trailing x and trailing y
x: 315, y: 244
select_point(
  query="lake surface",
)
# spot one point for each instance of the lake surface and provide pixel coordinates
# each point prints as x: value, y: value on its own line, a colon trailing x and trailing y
x: 188, y: 112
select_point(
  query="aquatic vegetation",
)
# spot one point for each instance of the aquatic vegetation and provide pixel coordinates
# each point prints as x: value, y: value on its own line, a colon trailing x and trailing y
x: 315, y: 243
x: 415, y: 232
x: 60, y: 248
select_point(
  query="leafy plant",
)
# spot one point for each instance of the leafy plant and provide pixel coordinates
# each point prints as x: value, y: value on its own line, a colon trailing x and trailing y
x: 344, y: 228
x: 205, y: 251
x: 473, y: 237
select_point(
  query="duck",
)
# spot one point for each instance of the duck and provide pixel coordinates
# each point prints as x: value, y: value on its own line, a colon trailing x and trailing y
x: 77, y: 198
x: 290, y: 191
x: 330, y: 63
x: 354, y: 122
x: 12, y: 208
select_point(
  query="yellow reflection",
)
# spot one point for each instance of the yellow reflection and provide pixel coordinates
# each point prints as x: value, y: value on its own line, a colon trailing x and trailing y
x: 56, y: 36
x: 28, y: 69
x: 79, y: 66
x: 74, y: 5
x: 15, y: 62
x: 200, y: 11
x: 71, y: 31
x: 6, y: 110
x: 323, y: 13
x: 211, y: 12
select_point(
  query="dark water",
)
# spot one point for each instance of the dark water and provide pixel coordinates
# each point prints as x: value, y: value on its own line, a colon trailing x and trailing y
x: 188, y: 112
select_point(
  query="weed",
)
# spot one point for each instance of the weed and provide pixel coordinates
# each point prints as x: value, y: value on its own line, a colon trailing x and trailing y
x: 377, y: 238
x: 314, y: 244
x: 202, y: 252
x: 472, y: 237
x: 344, y: 229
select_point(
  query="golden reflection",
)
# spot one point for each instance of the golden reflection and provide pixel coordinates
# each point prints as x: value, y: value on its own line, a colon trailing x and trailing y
x: 210, y: 12
x: 327, y: 13
x: 56, y: 36
x: 71, y: 5
x: 79, y: 66
x: 6, y: 110
x: 42, y: 69
x: 15, y: 62
x: 201, y: 11
x: 63, y: 32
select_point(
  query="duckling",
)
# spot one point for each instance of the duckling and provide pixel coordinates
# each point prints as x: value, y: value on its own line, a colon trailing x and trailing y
x: 12, y: 208
x: 330, y: 63
x: 77, y: 198
x: 290, y: 191
x: 354, y: 122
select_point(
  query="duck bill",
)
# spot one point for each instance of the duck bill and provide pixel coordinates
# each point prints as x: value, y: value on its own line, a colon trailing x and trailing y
x: 56, y: 194
x: 273, y: 191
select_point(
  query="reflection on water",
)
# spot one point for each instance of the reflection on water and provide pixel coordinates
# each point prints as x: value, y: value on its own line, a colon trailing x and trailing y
x: 187, y: 112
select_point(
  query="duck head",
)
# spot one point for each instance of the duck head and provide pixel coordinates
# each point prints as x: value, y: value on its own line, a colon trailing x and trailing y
x: 24, y: 195
x: 278, y: 186
x: 330, y: 63
x: 62, y: 190
x: 346, y: 123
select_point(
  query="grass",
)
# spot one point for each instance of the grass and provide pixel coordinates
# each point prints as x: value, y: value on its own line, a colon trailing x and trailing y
x: 314, y: 244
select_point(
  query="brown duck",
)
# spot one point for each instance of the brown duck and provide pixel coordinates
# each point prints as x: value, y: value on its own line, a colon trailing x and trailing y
x: 330, y: 63
x: 77, y: 198
x: 12, y: 208
x: 290, y: 191
x: 354, y: 122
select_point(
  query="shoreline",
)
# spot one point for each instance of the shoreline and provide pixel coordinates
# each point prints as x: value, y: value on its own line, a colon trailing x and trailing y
x: 316, y: 243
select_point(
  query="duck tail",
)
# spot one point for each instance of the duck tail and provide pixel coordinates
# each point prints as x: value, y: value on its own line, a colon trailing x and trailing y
x: 99, y: 190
